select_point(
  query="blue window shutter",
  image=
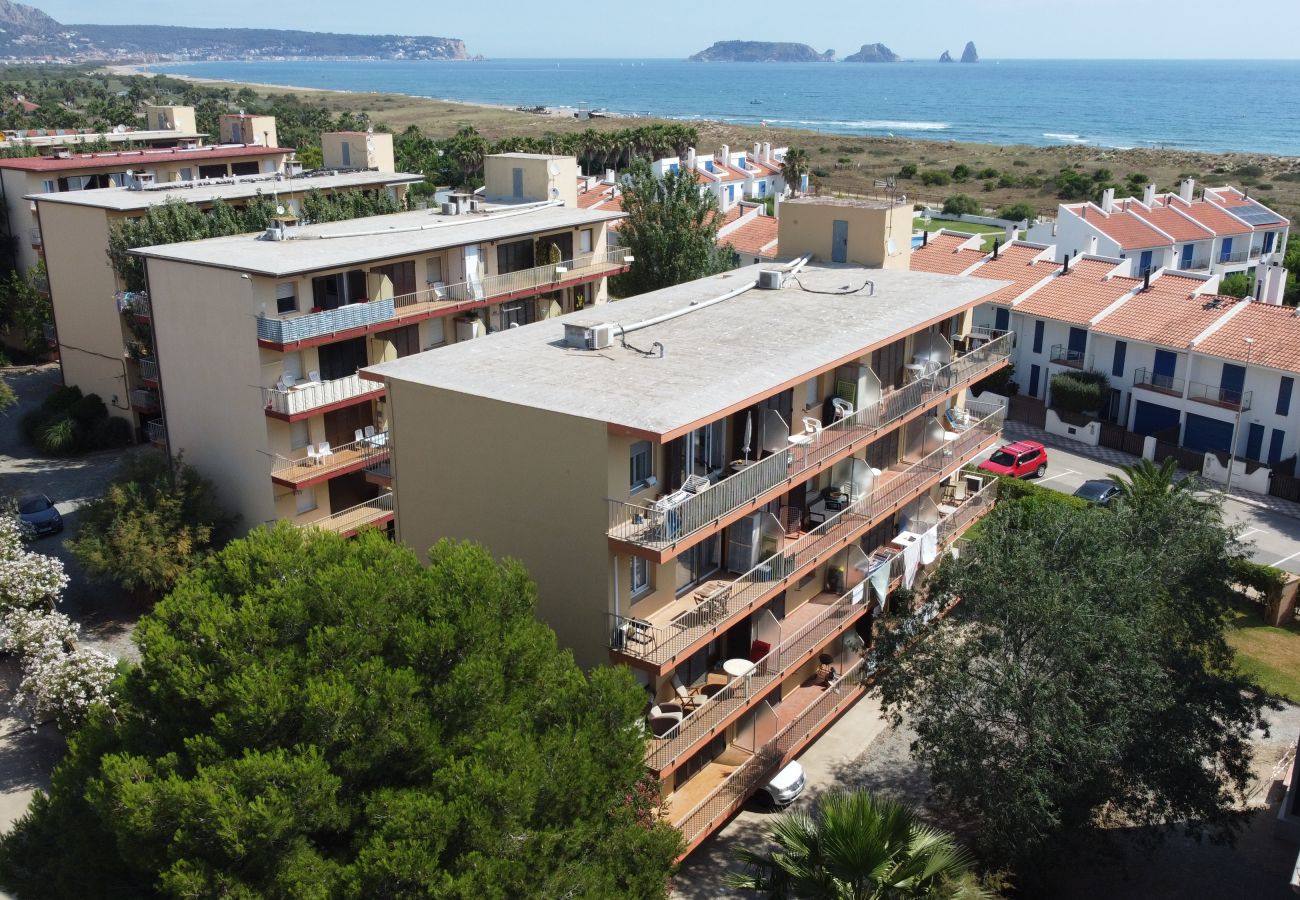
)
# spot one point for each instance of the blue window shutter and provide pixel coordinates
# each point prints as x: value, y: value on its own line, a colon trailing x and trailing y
x: 1284, y: 395
x: 1038, y: 337
x: 1117, y: 367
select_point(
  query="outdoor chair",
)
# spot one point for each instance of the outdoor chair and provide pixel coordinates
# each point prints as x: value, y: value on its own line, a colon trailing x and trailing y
x: 324, y: 451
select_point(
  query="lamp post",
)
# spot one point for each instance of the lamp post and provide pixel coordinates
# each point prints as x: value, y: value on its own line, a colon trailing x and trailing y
x: 1236, y: 422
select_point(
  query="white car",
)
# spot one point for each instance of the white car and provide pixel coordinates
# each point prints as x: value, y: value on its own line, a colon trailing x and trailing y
x: 786, y: 787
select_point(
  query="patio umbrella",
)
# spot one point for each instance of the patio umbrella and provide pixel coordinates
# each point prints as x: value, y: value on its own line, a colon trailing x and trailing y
x: 749, y: 433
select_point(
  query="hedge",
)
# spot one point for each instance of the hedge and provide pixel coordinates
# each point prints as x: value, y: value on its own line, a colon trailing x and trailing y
x: 1262, y: 578
x: 1079, y: 392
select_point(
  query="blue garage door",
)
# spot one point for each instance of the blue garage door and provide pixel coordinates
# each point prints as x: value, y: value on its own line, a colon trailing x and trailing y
x: 1152, y: 418
x: 1207, y: 434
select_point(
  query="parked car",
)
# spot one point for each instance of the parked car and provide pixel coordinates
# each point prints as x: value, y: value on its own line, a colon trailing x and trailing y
x: 1020, y: 459
x: 37, y: 511
x: 1100, y: 491
x: 786, y: 787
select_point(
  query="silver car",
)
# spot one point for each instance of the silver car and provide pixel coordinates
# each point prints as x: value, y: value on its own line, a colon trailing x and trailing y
x: 786, y: 786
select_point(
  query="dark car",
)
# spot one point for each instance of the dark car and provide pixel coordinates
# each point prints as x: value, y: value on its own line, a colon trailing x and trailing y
x: 38, y: 512
x: 1100, y: 491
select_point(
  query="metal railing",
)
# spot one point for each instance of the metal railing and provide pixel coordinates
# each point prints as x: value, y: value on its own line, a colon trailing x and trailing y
x: 1168, y: 384
x: 538, y: 278
x: 326, y: 322
x: 659, y: 527
x: 986, y: 332
x: 358, y: 516
x: 1219, y: 396
x: 155, y: 431
x: 715, y: 614
x: 314, y: 394
x: 1236, y: 256
x: 135, y: 303
x: 34, y: 235
x: 1199, y: 262
x: 148, y: 369
x: 365, y: 450
x: 974, y: 506
x: 1066, y: 356
x: 719, y: 803
x: 144, y: 399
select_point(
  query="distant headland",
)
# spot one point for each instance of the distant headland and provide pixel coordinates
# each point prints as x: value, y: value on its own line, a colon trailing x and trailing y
x: 761, y: 51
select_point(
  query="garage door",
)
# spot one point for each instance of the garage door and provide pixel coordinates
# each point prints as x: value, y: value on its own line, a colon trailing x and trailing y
x: 1152, y: 418
x: 1206, y: 434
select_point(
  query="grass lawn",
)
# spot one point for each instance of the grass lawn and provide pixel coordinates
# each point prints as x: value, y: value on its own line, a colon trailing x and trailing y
x: 993, y: 231
x: 1271, y: 655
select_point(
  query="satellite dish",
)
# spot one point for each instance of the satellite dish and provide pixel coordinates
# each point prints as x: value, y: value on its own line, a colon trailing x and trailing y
x: 279, y: 210
x: 554, y: 168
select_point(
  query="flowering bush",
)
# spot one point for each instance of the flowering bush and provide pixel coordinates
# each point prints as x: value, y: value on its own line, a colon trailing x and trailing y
x: 66, y: 686
x: 27, y: 579
x: 36, y: 634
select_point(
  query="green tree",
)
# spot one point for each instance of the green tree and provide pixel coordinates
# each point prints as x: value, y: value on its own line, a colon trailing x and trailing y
x: 1084, y: 672
x: 1144, y: 484
x: 962, y: 205
x: 155, y: 521
x: 671, y: 230
x: 25, y: 308
x: 1237, y: 284
x: 1019, y: 212
x: 794, y: 167
x: 858, y: 847
x: 315, y: 716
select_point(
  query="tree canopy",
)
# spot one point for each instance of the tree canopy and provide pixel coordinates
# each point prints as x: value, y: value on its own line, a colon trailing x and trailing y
x: 671, y: 231
x: 1084, y: 675
x: 314, y: 716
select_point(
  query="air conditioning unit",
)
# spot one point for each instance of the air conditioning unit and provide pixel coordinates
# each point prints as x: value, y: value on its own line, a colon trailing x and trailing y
x: 293, y: 167
x: 771, y: 279
x: 589, y: 337
x: 468, y: 328
x: 142, y: 180
x: 449, y: 208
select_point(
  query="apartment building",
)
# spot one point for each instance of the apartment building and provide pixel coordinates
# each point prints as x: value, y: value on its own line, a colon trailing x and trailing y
x: 258, y: 338
x: 1186, y: 364
x: 21, y: 177
x: 732, y: 176
x: 102, y: 331
x: 716, y: 484
x: 1222, y: 231
x: 165, y: 126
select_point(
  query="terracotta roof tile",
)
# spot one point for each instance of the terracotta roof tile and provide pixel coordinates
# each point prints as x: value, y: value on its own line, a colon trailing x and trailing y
x: 756, y: 236
x: 1015, y: 264
x: 1081, y: 295
x: 1212, y: 217
x: 1124, y: 227
x: 1276, y: 330
x: 1170, y: 314
x: 1174, y: 223
x: 942, y: 255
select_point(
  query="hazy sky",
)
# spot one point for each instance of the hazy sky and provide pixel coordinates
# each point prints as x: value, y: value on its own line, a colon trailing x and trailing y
x: 1180, y: 29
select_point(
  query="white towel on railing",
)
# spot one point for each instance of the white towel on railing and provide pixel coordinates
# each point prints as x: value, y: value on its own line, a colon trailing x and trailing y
x: 930, y: 545
x: 911, y: 559
x: 880, y: 580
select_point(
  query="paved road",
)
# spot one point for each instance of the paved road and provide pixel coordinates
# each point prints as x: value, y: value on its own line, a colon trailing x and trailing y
x: 1271, y: 527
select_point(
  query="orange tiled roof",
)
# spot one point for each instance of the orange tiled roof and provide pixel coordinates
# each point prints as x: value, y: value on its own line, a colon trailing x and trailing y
x: 593, y: 197
x: 1233, y: 199
x: 1174, y: 223
x: 1212, y: 217
x: 1081, y: 295
x: 756, y: 236
x: 1124, y: 227
x: 1015, y: 264
x: 1276, y: 333
x: 727, y: 173
x: 1169, y: 314
x: 942, y: 255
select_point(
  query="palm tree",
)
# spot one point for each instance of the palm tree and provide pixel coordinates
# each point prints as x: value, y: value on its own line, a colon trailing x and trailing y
x: 1144, y: 480
x: 858, y: 847
x: 794, y: 167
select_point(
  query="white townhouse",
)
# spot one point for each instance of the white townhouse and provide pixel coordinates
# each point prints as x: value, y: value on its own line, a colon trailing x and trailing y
x: 732, y: 176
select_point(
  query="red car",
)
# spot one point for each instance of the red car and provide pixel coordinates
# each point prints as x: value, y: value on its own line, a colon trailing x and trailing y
x: 1020, y: 459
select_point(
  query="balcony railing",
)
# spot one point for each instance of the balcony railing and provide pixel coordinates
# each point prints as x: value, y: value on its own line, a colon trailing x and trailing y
x: 986, y: 332
x: 148, y: 369
x: 34, y: 234
x: 974, y: 506
x: 715, y: 614
x: 1236, y: 256
x: 1195, y: 264
x: 51, y: 336
x: 659, y: 527
x: 1154, y: 381
x: 1067, y: 356
x: 303, y: 398
x: 155, y: 432
x: 144, y: 400
x: 359, y: 516
x: 440, y: 298
x: 1219, y: 396
x: 353, y: 455
x: 135, y: 303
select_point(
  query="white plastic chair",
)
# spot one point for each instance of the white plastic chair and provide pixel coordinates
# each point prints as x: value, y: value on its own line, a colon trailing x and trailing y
x: 369, y: 431
x: 324, y: 452
x: 358, y: 435
x: 439, y: 290
x: 811, y: 425
x: 312, y: 458
x: 843, y: 408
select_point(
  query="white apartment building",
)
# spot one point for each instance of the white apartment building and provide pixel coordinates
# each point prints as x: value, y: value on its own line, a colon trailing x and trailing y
x: 732, y: 176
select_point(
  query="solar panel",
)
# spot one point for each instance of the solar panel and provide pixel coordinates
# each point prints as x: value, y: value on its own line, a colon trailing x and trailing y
x: 1254, y: 214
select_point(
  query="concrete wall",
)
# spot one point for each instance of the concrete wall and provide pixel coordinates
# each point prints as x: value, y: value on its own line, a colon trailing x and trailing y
x: 807, y: 227
x: 170, y: 118
x: 1088, y: 434
x: 520, y: 481
x: 544, y: 178
x: 366, y: 150
x: 243, y: 129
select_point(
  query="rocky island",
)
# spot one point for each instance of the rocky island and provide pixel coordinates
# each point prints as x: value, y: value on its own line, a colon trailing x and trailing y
x: 874, y: 53
x: 761, y: 51
x: 969, y: 55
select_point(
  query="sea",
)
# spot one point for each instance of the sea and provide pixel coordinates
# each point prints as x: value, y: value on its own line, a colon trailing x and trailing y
x: 1222, y: 105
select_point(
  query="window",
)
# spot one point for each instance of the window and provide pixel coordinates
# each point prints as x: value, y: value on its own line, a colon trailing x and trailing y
x: 697, y: 563
x: 639, y: 579
x: 515, y: 256
x: 584, y: 240
x: 48, y: 186
x: 810, y: 399
x: 1117, y: 366
x: 642, y: 468
x: 286, y: 297
x: 1038, y: 337
x: 305, y: 500
x: 1284, y: 395
x: 339, y: 289
x: 433, y: 270
x: 187, y: 174
x: 299, y: 434
x: 703, y: 451
x: 244, y: 168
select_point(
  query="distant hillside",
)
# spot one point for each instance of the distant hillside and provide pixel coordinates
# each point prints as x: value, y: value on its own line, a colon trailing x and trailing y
x: 874, y: 53
x: 761, y: 51
x: 26, y: 32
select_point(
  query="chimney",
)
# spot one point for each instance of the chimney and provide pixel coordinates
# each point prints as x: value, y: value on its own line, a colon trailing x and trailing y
x: 724, y: 155
x: 611, y: 176
x: 1012, y: 233
x: 1270, y: 283
x: 1065, y: 267
x: 767, y: 151
x: 758, y: 151
x: 925, y: 238
x: 1092, y: 245
x: 1149, y: 195
x: 1108, y: 200
x: 690, y: 158
x: 997, y: 245
x: 1146, y: 280
x: 1186, y: 188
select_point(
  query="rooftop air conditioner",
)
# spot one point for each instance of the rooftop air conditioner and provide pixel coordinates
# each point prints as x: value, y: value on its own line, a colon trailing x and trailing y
x: 770, y: 279
x: 449, y: 208
x: 142, y: 180
x: 589, y: 337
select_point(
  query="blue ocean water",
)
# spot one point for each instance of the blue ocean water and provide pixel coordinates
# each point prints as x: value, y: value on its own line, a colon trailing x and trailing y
x: 1196, y: 105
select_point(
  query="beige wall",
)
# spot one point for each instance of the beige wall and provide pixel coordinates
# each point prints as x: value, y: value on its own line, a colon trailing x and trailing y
x: 237, y: 129
x: 519, y: 481
x: 170, y: 118
x: 205, y: 338
x: 365, y: 151
x: 807, y: 227
x: 539, y: 182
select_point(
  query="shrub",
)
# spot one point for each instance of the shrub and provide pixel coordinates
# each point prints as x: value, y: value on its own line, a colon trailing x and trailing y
x: 962, y: 205
x: 907, y: 171
x: 844, y: 161
x: 1235, y: 285
x: 934, y: 177
x: 1079, y: 392
x: 1265, y: 579
x: 989, y: 186
x: 1017, y: 212
x: 1000, y: 382
x: 960, y: 172
x: 1250, y: 170
x: 1019, y: 163
x: 821, y: 173
x: 988, y: 173
x: 1007, y: 181
x: 58, y: 437
x: 114, y: 433
x: 88, y: 410
x: 62, y: 400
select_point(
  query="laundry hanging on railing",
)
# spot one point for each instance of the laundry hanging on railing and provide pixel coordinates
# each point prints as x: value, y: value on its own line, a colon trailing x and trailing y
x: 930, y: 545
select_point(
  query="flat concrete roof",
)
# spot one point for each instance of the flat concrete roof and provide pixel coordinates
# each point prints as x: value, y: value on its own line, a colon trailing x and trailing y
x: 357, y: 241
x: 715, y: 358
x: 207, y: 190
x: 87, y: 137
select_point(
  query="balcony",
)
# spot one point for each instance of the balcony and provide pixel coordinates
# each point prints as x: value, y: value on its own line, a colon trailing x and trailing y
x: 1219, y: 396
x: 348, y: 522
x: 710, y: 615
x: 144, y: 401
x: 1236, y: 256
x: 306, y: 470
x: 134, y: 303
x: 661, y: 526
x: 1196, y: 264
x: 148, y: 371
x: 359, y: 318
x: 1066, y: 356
x: 1161, y: 384
x: 34, y: 235
x: 155, y: 432
x: 804, y: 630
x: 315, y: 397
x: 51, y: 336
